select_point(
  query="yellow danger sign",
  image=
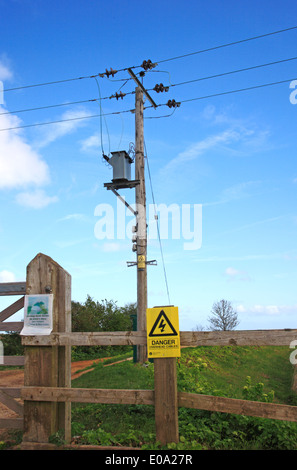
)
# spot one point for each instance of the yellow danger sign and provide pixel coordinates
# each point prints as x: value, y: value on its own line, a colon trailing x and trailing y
x: 163, y: 339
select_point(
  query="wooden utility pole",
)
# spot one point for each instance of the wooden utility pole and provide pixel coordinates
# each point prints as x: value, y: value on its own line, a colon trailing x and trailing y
x: 140, y: 199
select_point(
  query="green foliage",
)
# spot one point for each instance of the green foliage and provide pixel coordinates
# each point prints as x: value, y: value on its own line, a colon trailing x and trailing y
x: 12, y: 344
x: 100, y: 316
x: 134, y: 425
x: 255, y: 392
x: 9, y: 439
x: 98, y: 437
x: 57, y: 438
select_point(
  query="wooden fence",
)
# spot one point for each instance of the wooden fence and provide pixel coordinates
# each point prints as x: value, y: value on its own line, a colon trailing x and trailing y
x: 47, y: 391
x: 9, y: 395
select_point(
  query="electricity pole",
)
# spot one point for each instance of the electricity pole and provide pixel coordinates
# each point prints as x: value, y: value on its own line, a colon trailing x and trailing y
x: 140, y: 199
x: 140, y: 210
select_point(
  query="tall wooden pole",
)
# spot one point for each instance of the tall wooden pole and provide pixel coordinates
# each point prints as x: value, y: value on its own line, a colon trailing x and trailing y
x: 140, y: 199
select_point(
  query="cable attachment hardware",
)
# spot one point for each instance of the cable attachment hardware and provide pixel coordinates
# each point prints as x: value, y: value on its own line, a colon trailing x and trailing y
x: 131, y: 151
x: 148, y: 65
x: 118, y: 95
x: 108, y: 73
x: 173, y: 104
x: 161, y: 88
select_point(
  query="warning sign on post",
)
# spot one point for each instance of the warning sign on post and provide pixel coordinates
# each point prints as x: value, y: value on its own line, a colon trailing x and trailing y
x: 163, y: 339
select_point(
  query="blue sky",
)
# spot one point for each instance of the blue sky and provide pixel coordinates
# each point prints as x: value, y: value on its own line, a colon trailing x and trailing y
x: 233, y: 154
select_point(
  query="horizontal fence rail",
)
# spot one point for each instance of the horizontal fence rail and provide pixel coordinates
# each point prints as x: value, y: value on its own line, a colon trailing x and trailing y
x: 147, y: 397
x: 236, y: 406
x: 11, y: 423
x: 13, y: 361
x: 187, y: 338
x: 12, y: 288
x: 89, y: 395
x: 15, y: 326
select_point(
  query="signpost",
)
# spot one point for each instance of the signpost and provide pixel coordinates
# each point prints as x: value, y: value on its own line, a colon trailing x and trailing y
x: 163, y: 345
x: 163, y: 338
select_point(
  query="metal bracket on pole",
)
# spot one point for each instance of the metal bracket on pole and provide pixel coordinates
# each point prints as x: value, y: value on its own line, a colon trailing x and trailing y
x: 134, y: 263
x: 132, y: 74
x: 124, y: 201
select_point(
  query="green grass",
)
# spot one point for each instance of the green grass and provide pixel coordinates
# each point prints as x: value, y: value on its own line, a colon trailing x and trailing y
x: 226, y: 368
x: 221, y: 371
x: 122, y: 375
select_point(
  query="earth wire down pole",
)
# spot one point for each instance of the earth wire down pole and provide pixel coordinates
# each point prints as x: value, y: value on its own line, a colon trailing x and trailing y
x: 140, y: 199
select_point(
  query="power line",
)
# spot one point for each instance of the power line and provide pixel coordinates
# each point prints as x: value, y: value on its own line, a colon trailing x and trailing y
x: 234, y: 91
x: 66, y: 120
x: 233, y: 71
x: 158, y: 229
x: 148, y: 107
x: 50, y: 106
x: 151, y: 89
x: 177, y: 104
x: 48, y: 83
x: 228, y: 44
x: 62, y: 81
x: 147, y: 65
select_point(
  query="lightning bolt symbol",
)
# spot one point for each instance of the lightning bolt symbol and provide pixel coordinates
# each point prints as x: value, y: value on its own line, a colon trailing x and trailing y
x: 162, y: 325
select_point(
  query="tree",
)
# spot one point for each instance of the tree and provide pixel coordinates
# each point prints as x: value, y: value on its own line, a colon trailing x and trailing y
x: 223, y: 316
x: 101, y: 316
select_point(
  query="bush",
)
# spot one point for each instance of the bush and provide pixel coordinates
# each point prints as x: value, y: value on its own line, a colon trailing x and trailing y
x: 12, y: 344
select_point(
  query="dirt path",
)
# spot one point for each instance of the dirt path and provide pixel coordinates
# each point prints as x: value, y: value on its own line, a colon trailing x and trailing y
x: 15, y: 378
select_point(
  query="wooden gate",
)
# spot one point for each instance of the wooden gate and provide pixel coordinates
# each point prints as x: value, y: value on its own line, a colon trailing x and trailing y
x: 47, y: 391
x: 8, y: 395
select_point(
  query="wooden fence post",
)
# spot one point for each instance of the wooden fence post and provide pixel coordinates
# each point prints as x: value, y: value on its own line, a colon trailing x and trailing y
x: 48, y: 366
x: 166, y: 400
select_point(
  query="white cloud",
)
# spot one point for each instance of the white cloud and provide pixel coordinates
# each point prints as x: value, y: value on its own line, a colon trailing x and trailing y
x: 69, y: 243
x: 6, y: 276
x: 37, y: 199
x: 70, y: 121
x: 240, y: 138
x: 198, y: 148
x: 92, y: 142
x: 111, y: 247
x: 236, y: 274
x: 238, y: 191
x: 20, y: 165
x: 235, y: 192
x: 78, y: 216
x: 268, y: 309
x: 5, y: 72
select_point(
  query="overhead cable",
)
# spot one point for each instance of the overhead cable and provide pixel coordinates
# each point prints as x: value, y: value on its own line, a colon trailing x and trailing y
x: 253, y: 67
x: 169, y: 104
x: 148, y: 65
x: 158, y: 228
x: 159, y: 88
x: 227, y: 44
